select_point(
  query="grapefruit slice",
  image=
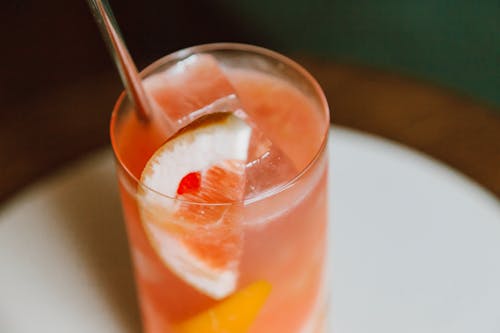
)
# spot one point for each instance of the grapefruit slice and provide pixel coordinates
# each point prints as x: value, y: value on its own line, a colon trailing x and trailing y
x: 190, y: 225
x: 235, y: 314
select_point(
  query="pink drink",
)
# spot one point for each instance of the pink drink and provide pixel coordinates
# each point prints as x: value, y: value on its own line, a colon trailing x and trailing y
x: 280, y: 231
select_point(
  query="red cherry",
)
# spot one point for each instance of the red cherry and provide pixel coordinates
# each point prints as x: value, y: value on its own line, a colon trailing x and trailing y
x: 189, y: 183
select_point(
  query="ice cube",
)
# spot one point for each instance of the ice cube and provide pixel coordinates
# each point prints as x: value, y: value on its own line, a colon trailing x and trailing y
x: 192, y: 87
x: 267, y: 166
x: 197, y: 86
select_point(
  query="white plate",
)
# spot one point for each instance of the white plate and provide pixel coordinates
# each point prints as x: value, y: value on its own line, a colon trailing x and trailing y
x: 415, y: 248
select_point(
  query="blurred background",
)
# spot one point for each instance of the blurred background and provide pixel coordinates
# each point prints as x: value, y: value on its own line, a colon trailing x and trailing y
x: 424, y: 73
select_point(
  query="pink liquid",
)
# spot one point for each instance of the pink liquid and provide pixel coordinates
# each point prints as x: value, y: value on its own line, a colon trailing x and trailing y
x: 284, y: 234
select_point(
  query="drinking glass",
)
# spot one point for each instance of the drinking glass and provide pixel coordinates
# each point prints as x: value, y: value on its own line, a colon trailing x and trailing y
x: 276, y: 239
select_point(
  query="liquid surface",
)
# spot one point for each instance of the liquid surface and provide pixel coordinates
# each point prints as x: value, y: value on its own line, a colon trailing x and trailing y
x: 284, y: 140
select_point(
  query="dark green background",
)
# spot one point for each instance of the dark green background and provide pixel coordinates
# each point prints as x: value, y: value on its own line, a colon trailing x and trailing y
x: 455, y: 44
x: 452, y: 43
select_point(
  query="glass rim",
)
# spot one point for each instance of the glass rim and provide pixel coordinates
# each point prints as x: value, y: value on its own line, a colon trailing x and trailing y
x: 212, y: 47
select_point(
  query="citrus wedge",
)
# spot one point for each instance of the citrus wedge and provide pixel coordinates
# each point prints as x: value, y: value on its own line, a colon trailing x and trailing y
x: 233, y: 315
x: 201, y: 242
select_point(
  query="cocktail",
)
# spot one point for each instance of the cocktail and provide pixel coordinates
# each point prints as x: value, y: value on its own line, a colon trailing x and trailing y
x: 227, y: 218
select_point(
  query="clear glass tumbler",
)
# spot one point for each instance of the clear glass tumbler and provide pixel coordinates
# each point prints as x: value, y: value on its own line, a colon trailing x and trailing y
x: 267, y: 251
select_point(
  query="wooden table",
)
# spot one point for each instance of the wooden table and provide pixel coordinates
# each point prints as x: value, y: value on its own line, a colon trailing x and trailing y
x: 40, y: 134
